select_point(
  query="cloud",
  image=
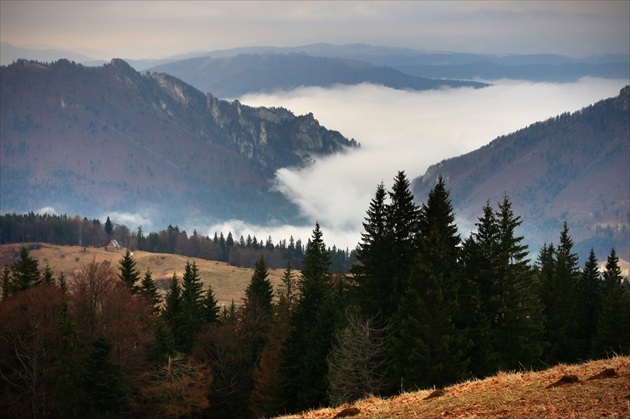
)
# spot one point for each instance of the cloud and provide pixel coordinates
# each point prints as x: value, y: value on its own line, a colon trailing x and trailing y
x: 46, y: 210
x: 401, y: 130
x: 131, y: 220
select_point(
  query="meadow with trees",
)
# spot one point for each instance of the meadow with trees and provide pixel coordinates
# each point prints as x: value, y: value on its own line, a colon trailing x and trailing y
x: 420, y: 307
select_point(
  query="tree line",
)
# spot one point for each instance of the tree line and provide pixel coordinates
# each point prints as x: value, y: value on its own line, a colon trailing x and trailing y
x: 243, y: 252
x: 421, y: 308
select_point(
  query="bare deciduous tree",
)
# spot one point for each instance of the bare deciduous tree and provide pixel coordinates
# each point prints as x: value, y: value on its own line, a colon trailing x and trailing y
x: 358, y: 362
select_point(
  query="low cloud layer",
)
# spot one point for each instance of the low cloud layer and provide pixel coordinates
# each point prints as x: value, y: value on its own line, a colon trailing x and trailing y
x: 401, y: 130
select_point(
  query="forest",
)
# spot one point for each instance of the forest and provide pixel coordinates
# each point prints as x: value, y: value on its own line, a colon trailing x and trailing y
x: 76, y: 231
x: 421, y: 307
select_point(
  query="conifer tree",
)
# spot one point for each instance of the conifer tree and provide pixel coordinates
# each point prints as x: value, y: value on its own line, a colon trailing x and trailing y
x: 403, y: 218
x: 613, y: 325
x: 372, y: 272
x: 25, y: 271
x: 589, y: 304
x: 429, y: 348
x: 47, y: 275
x: 559, y: 297
x: 172, y: 311
x: 192, y: 306
x: 109, y: 227
x: 103, y: 384
x: 7, y: 283
x: 128, y: 272
x: 303, y: 365
x: 259, y: 292
x: 149, y: 291
x: 66, y: 371
x: 210, y: 306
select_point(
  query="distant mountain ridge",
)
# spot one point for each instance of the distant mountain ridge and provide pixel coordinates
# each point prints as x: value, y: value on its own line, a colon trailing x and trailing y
x: 574, y: 167
x: 254, y: 73
x: 92, y: 140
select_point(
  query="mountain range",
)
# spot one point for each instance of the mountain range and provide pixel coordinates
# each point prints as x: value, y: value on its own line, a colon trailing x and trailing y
x: 94, y: 140
x: 572, y: 167
x: 97, y: 140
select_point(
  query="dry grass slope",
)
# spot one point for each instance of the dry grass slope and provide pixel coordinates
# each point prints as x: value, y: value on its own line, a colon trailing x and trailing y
x: 511, y: 395
x: 228, y: 282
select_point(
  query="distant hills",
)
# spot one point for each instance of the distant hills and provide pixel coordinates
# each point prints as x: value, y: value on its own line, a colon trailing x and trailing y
x: 95, y: 140
x: 253, y: 73
x: 573, y: 167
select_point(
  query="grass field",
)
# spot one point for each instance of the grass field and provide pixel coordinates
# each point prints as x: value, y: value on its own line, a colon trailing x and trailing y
x: 509, y: 395
x: 228, y: 282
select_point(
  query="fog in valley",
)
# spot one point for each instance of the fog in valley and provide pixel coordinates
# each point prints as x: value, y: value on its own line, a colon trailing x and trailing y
x: 398, y: 130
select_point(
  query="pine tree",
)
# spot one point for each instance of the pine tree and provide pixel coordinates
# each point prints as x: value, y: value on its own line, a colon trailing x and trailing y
x: 66, y: 371
x: 589, y: 304
x: 613, y: 325
x: 128, y: 272
x: 109, y: 227
x: 372, y: 272
x: 149, y: 291
x: 559, y: 297
x: 210, y: 306
x: 259, y: 292
x: 518, y: 321
x: 25, y: 271
x: 192, y: 306
x: 47, y: 275
x: 403, y: 217
x: 7, y: 283
x: 429, y: 349
x: 107, y: 394
x: 172, y: 311
x: 303, y: 365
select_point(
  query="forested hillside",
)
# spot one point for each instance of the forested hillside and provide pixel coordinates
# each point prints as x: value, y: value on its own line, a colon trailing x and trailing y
x: 573, y: 167
x: 109, y: 139
x: 423, y: 307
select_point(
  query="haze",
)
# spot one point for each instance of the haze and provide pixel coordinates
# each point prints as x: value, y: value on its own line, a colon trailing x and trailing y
x: 143, y: 29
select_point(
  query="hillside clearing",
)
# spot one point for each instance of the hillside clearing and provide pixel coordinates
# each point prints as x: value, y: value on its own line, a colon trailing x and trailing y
x: 228, y: 282
x: 508, y: 395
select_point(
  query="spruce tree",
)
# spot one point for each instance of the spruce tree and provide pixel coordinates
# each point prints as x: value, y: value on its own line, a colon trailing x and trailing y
x: 613, y: 326
x: 259, y: 292
x: 192, y: 306
x: 128, y: 272
x: 66, y: 371
x: 172, y: 312
x: 103, y: 383
x: 559, y: 296
x: 589, y: 304
x: 25, y: 271
x: 429, y: 348
x: 372, y: 273
x: 518, y: 313
x: 150, y: 292
x: 303, y: 365
x: 210, y: 306
x: 7, y: 283
x: 109, y: 227
x: 403, y: 226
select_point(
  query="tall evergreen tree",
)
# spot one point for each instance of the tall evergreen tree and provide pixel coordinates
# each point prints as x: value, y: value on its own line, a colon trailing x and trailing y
x: 373, y: 270
x: 403, y: 218
x: 559, y: 296
x: 192, y: 306
x: 128, y: 272
x: 25, y: 271
x: 7, y: 283
x: 210, y: 306
x: 172, y: 312
x: 613, y: 325
x: 518, y: 323
x: 103, y: 384
x: 589, y: 303
x: 259, y: 292
x: 109, y: 227
x: 303, y: 365
x: 429, y: 348
x: 150, y: 292
x: 66, y: 371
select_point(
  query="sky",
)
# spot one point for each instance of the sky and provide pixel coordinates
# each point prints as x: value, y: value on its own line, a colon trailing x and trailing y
x: 145, y: 29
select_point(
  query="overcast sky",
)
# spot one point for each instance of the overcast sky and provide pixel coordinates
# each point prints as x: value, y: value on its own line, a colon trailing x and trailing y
x: 145, y: 29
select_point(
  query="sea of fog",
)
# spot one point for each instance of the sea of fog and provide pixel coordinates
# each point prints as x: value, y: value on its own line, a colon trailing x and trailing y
x: 398, y: 130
